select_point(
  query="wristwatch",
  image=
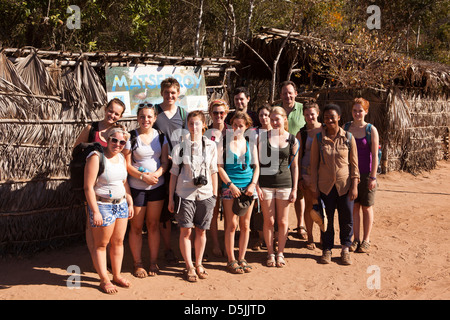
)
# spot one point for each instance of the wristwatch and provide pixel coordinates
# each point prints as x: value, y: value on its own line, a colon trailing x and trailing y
x: 141, y: 176
x: 373, y: 178
x: 229, y: 184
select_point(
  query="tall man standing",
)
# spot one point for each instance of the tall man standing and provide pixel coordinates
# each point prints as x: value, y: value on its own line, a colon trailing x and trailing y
x: 294, y: 109
x: 296, y: 121
x: 170, y: 119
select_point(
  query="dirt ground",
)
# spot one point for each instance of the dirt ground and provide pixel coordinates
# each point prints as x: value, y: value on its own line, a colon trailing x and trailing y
x: 409, y: 259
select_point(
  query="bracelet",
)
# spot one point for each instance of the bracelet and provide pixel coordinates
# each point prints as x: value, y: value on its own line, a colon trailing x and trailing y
x: 373, y: 178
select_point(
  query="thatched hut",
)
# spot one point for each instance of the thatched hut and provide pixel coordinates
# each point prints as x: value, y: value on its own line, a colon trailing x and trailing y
x: 46, y: 99
x: 409, y: 99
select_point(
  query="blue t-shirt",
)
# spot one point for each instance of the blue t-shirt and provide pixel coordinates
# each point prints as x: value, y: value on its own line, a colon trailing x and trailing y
x: 240, y: 172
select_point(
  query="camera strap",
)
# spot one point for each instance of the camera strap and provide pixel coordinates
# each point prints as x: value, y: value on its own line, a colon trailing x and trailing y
x: 203, y: 164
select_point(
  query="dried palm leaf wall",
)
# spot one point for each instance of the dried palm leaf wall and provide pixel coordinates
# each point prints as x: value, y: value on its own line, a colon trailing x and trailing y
x: 413, y: 124
x: 42, y: 111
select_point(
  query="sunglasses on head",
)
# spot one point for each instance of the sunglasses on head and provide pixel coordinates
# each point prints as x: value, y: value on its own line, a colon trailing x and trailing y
x: 117, y: 141
x: 145, y: 105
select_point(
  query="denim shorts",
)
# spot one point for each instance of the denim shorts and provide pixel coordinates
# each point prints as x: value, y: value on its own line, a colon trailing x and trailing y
x: 110, y: 212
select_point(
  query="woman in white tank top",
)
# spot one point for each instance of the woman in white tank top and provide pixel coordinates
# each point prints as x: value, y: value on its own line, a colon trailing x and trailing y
x: 110, y: 206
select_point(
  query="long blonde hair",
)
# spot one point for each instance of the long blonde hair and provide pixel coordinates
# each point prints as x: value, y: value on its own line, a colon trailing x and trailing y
x: 282, y: 112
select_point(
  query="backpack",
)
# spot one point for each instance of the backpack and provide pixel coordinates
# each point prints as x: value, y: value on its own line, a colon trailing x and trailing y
x: 369, y: 140
x: 77, y: 164
x: 133, y: 140
x: 94, y: 128
x: 348, y: 142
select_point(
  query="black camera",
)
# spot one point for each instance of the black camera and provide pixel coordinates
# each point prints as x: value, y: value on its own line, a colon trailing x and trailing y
x: 200, y: 180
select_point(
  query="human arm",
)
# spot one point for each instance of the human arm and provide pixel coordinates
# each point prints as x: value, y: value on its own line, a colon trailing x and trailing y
x: 129, y: 199
x: 90, y: 177
x: 314, y: 165
x: 294, y: 173
x: 172, y: 187
x: 250, y: 190
x: 354, y: 170
x: 374, y: 151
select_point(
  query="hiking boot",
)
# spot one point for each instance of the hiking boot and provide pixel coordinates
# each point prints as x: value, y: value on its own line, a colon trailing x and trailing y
x: 326, y: 257
x: 345, y: 258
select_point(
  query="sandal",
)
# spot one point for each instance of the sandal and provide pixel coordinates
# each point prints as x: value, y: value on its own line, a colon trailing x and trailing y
x: 139, y: 271
x: 191, y: 275
x: 310, y: 246
x: 271, y: 260
x: 122, y: 282
x: 154, y: 269
x: 201, y: 274
x: 364, y: 247
x: 108, y: 288
x: 234, y: 267
x: 245, y: 266
x: 301, y: 232
x: 280, y: 260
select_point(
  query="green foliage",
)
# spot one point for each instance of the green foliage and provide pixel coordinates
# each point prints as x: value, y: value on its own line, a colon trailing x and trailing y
x: 419, y: 28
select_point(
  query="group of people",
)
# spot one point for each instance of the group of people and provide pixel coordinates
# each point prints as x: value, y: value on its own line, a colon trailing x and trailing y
x: 173, y: 166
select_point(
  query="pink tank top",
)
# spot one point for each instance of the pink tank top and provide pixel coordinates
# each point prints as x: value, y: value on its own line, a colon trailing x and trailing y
x: 97, y: 139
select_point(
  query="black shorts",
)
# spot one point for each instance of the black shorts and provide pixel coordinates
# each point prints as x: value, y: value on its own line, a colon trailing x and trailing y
x: 141, y: 197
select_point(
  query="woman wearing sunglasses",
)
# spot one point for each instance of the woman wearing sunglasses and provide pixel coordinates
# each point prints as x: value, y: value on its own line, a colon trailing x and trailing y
x: 96, y: 132
x: 239, y: 172
x: 146, y: 154
x: 218, y: 111
x: 109, y: 206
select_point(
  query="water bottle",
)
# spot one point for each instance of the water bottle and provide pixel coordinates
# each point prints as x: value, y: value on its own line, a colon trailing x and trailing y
x: 142, y: 169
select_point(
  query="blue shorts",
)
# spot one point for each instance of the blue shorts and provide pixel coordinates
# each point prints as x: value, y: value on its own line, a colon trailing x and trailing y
x: 110, y: 212
x: 141, y: 197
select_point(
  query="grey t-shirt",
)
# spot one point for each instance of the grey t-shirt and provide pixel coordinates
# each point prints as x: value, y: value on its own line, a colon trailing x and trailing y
x: 171, y: 127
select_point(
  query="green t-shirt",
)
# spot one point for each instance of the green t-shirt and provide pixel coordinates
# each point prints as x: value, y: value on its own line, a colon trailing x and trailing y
x: 295, y: 119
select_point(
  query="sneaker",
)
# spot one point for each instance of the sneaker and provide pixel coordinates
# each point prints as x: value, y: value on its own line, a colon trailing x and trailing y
x: 364, y: 247
x: 326, y: 257
x: 345, y: 258
x: 354, y: 246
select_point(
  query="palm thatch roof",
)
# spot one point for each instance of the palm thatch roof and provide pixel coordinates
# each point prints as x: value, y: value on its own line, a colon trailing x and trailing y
x: 315, y: 63
x: 39, y: 121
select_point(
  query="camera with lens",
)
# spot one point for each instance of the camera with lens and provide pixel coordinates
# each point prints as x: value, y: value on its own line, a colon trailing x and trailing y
x: 200, y: 180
